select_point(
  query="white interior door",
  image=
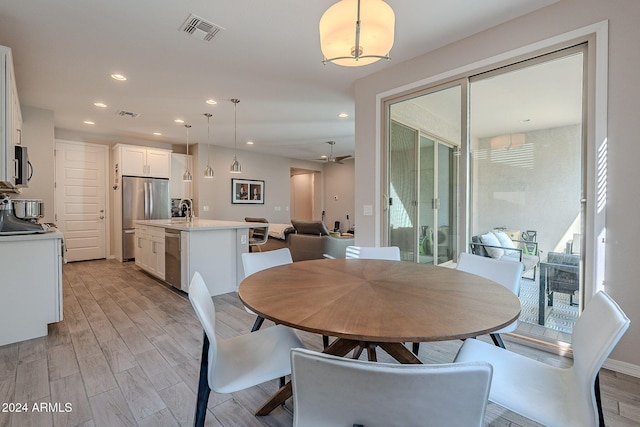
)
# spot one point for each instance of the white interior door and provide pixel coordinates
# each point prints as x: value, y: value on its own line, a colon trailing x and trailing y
x: 80, y: 199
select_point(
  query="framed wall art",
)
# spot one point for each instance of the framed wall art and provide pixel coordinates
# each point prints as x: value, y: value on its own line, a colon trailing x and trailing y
x: 247, y: 191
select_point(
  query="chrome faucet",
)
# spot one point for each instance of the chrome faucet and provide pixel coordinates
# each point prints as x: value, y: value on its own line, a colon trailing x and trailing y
x: 188, y: 203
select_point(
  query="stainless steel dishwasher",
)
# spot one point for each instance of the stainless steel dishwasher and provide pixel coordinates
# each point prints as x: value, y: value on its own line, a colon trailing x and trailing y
x: 172, y: 258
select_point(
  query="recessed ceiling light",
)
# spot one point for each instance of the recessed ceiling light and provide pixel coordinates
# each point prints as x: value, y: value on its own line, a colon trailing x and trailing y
x: 249, y: 142
x: 89, y: 122
x: 211, y: 101
x: 157, y: 133
x: 100, y: 104
x: 343, y: 115
x: 179, y: 121
x: 118, y: 77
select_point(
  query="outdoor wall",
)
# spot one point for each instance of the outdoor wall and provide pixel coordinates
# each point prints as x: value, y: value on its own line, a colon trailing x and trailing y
x: 534, y: 187
x: 622, y: 205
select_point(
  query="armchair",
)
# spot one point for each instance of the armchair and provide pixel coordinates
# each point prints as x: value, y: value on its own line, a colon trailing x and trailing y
x: 561, y: 273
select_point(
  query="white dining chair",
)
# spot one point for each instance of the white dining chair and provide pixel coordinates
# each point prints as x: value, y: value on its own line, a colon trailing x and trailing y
x: 506, y: 273
x: 391, y: 253
x: 239, y: 362
x: 331, y: 391
x: 252, y: 262
x: 550, y: 395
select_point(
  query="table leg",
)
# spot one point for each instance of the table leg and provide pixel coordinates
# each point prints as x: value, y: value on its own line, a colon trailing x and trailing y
x: 339, y: 347
x: 399, y: 352
x: 371, y: 352
x: 276, y: 400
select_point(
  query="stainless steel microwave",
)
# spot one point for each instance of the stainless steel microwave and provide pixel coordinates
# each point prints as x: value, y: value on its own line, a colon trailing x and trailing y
x: 23, y: 168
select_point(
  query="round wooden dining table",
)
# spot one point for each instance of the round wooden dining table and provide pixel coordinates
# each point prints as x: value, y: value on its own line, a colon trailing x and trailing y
x: 377, y: 303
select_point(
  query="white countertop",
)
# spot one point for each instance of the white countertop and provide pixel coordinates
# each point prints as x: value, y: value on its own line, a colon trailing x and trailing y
x: 54, y: 234
x: 199, y: 224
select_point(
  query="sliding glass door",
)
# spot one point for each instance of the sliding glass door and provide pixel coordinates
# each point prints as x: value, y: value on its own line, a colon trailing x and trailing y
x: 422, y: 202
x: 527, y: 177
x: 502, y: 150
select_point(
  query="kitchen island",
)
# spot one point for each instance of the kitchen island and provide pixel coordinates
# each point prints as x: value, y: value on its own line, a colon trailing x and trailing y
x: 211, y: 247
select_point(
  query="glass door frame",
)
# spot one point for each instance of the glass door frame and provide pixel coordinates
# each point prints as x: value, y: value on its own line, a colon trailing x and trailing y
x: 462, y: 197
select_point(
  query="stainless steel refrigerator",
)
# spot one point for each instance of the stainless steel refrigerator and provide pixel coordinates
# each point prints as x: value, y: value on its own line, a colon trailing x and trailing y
x: 142, y: 198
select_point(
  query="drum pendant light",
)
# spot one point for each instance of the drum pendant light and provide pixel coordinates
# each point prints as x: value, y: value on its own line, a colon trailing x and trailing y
x: 357, y: 32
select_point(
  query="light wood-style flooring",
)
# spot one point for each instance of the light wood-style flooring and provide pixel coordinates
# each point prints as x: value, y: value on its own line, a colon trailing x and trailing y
x: 127, y: 354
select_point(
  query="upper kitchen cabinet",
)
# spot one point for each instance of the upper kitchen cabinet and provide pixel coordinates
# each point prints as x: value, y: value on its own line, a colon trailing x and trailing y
x: 143, y: 161
x: 10, y: 118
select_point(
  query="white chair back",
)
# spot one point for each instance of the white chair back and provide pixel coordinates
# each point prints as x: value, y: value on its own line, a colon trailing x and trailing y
x: 391, y: 253
x: 200, y: 299
x: 332, y: 391
x: 258, y: 261
x: 530, y: 387
x: 595, y: 335
x: 507, y: 273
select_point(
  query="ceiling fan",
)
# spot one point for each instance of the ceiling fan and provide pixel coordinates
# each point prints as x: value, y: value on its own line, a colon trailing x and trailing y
x: 330, y: 158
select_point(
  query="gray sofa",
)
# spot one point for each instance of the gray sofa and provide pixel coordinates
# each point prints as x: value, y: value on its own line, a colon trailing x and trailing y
x: 311, y: 240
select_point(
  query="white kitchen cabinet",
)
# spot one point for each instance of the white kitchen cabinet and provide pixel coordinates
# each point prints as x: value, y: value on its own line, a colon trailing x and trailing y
x: 150, y: 250
x: 136, y: 160
x: 10, y: 117
x: 178, y: 188
x: 31, y: 286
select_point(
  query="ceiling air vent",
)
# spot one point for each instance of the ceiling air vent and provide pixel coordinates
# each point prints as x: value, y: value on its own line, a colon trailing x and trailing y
x: 199, y: 28
x: 127, y: 114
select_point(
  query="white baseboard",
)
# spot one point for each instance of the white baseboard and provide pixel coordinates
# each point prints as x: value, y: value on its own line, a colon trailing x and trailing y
x: 622, y: 367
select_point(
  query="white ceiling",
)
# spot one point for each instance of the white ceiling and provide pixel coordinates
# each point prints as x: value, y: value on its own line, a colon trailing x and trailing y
x: 268, y: 56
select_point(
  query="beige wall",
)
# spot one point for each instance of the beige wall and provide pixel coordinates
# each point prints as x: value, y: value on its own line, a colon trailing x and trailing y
x: 302, y: 196
x: 37, y: 136
x: 339, y: 193
x: 216, y: 193
x: 622, y: 205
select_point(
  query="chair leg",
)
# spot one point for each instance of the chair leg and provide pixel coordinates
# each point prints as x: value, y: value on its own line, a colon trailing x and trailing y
x: 325, y: 341
x: 416, y: 348
x: 497, y: 340
x: 257, y: 324
x: 203, y: 385
x: 596, y: 389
